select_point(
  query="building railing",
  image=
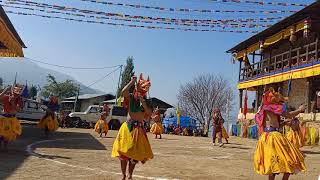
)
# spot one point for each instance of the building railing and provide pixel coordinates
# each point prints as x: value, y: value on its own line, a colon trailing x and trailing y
x: 293, y: 58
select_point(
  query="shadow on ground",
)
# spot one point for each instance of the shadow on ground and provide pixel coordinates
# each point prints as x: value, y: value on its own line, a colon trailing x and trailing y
x: 16, y: 155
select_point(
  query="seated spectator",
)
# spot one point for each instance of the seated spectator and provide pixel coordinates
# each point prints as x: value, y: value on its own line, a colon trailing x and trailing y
x: 177, y: 130
x: 190, y: 132
x: 170, y: 129
x: 185, y: 132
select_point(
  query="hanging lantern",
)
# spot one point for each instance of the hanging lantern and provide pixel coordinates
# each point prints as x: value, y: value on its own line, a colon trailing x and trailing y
x: 293, y: 37
x: 306, y: 28
x: 261, y: 45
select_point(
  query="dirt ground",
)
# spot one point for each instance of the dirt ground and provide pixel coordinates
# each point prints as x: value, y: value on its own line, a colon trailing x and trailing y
x: 81, y: 154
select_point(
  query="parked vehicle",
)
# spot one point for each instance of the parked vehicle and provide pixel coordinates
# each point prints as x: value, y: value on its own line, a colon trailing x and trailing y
x: 116, y: 117
x: 92, y: 114
x: 31, y: 110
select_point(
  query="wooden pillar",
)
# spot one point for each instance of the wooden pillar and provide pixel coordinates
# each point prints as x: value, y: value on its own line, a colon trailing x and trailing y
x: 290, y: 56
x: 240, y: 98
x: 253, y: 57
x: 309, y: 93
x: 240, y: 66
x: 317, y: 49
x: 269, y: 62
x: 257, y: 100
x: 260, y: 64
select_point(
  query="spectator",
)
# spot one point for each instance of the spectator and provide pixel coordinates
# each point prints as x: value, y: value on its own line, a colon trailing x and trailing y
x: 177, y: 131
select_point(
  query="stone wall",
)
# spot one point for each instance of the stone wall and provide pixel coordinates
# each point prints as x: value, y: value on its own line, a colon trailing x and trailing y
x: 298, y: 92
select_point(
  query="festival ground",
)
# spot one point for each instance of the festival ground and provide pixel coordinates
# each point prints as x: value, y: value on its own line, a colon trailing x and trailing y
x: 81, y: 154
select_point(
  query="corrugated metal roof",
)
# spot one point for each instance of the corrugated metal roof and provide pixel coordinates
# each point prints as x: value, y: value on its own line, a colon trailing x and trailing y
x: 87, y: 96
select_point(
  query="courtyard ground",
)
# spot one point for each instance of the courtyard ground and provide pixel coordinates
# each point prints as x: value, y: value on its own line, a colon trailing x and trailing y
x: 81, y: 154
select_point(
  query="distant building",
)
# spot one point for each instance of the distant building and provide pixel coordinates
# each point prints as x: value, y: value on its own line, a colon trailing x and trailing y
x: 85, y: 100
x: 163, y: 106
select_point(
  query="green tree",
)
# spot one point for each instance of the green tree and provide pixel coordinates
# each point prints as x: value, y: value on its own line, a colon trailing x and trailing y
x: 126, y: 75
x: 59, y: 89
x: 33, y: 91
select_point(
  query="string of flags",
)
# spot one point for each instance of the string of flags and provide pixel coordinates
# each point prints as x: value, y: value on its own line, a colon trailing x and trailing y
x: 164, y: 19
x: 213, y: 25
x: 130, y: 25
x: 141, y: 6
x: 163, y: 8
x: 249, y: 25
x: 261, y: 2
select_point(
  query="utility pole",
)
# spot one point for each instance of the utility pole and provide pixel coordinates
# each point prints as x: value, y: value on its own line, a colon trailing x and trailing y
x: 76, y: 99
x: 120, y: 74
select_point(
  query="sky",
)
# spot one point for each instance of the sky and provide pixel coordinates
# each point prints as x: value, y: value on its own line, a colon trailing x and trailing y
x: 170, y: 58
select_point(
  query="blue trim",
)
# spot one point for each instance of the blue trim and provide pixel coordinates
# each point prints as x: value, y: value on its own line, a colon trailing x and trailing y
x: 282, y: 71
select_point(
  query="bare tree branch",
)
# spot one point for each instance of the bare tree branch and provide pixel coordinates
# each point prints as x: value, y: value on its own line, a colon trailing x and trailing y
x: 198, y: 97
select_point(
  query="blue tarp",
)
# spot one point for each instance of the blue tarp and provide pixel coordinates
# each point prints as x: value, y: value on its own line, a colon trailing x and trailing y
x: 184, y: 122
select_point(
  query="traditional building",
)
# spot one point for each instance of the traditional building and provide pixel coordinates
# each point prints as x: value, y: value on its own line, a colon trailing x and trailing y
x: 10, y: 42
x: 287, y: 56
x: 84, y: 101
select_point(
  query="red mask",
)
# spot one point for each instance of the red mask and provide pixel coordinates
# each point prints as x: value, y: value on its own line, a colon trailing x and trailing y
x: 143, y: 86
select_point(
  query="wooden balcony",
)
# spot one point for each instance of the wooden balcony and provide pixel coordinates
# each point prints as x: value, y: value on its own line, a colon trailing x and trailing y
x: 299, y: 57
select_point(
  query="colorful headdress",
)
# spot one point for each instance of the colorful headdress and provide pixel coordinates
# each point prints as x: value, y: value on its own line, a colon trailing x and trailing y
x: 17, y: 90
x: 53, y: 100
x: 156, y: 114
x: 143, y: 86
x: 216, y: 110
x: 272, y: 97
x: 53, y: 104
x: 106, y: 108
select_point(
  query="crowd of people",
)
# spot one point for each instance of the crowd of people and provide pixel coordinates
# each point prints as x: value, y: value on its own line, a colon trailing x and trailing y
x: 185, y: 131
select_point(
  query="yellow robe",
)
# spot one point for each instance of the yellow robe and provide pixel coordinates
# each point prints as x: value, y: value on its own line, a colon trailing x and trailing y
x: 10, y: 128
x: 156, y: 128
x: 295, y: 138
x: 224, y: 133
x: 275, y: 154
x: 101, y: 126
x: 51, y: 123
x: 133, y: 145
